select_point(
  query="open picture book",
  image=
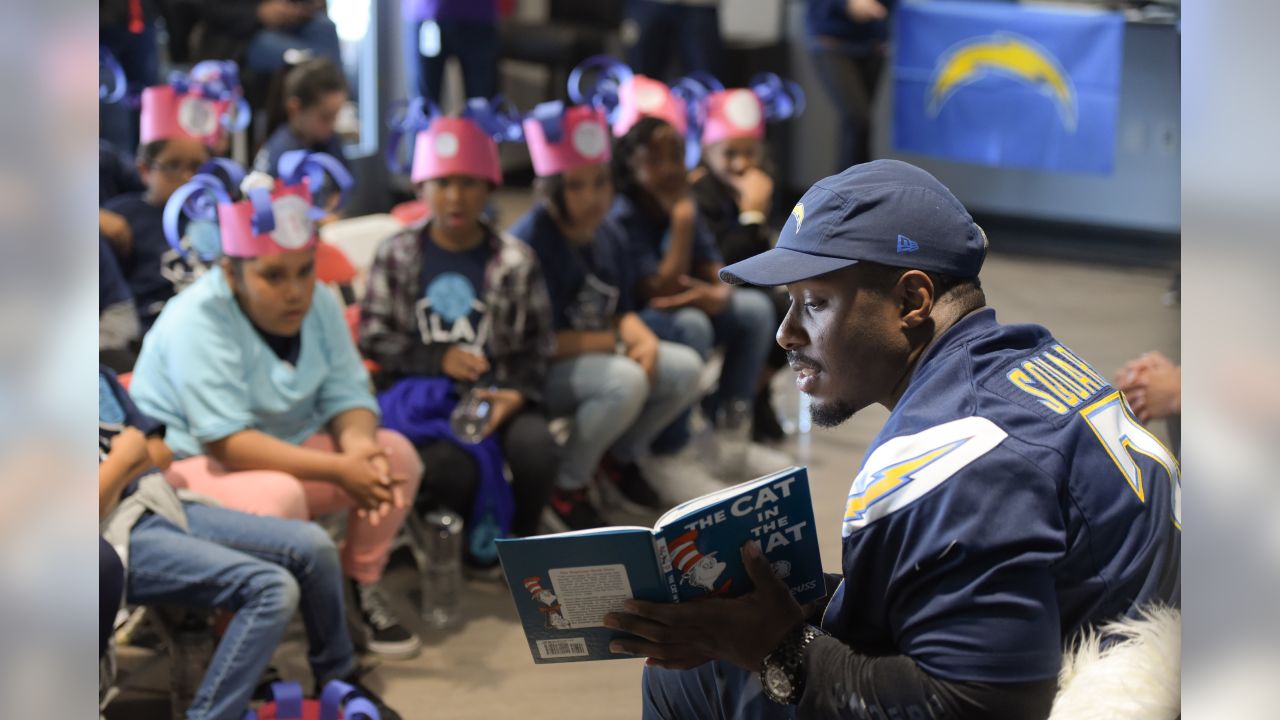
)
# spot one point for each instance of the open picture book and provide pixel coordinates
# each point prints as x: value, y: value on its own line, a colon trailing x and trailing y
x: 564, y: 584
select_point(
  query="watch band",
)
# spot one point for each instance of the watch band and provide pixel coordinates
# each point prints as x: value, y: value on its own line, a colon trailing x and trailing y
x: 783, y: 674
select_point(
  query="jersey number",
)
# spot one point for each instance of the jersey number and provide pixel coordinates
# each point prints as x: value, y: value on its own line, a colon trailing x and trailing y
x: 1121, y: 436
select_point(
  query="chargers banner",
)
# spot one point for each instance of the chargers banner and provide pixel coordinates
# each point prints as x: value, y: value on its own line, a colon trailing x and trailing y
x: 1003, y: 85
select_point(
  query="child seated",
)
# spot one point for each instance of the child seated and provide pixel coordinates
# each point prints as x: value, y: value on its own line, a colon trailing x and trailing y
x: 610, y: 373
x: 267, y: 403
x: 734, y: 195
x: 314, y: 94
x: 677, y: 263
x: 181, y: 124
x: 452, y: 297
x: 185, y: 553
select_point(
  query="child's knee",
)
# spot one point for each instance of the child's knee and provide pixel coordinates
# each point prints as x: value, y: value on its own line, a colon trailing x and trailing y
x: 278, y: 494
x: 403, y: 457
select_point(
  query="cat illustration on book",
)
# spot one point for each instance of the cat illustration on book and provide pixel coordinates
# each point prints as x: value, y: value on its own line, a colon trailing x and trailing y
x: 700, y: 571
x: 550, y: 605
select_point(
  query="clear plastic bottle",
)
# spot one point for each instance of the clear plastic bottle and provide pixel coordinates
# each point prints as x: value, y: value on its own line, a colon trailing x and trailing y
x: 442, y: 579
x: 470, y: 418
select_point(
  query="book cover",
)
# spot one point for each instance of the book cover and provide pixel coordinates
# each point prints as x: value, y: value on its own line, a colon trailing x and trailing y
x: 564, y: 584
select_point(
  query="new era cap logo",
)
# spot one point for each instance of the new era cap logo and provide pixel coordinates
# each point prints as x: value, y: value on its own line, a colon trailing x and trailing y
x: 907, y: 245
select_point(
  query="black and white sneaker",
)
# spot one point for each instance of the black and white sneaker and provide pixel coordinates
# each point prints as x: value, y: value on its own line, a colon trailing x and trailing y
x: 387, y: 637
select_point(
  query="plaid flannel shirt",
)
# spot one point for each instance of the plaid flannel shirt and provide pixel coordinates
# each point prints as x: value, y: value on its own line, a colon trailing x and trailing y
x: 521, y: 339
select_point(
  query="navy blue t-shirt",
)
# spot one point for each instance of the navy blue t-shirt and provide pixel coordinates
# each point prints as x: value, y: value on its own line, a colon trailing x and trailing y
x: 116, y: 411
x: 154, y: 270
x: 452, y: 309
x: 112, y: 287
x: 1010, y: 500
x: 283, y: 140
x: 589, y: 285
x: 646, y: 239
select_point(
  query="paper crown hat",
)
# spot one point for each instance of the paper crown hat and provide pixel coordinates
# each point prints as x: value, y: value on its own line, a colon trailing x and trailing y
x: 725, y: 114
x: 563, y: 138
x: 254, y: 215
x: 462, y: 145
x: 200, y: 105
x: 625, y: 96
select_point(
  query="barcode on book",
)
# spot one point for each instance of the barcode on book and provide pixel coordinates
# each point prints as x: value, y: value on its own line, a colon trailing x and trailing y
x: 568, y: 647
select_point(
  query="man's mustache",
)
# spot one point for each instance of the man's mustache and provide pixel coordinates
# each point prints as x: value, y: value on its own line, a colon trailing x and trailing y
x: 799, y: 362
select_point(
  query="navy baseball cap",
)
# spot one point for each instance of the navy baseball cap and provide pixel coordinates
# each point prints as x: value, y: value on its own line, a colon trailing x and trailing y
x: 886, y: 211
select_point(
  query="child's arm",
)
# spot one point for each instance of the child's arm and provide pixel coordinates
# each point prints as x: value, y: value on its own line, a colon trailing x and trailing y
x: 127, y: 460
x: 677, y: 261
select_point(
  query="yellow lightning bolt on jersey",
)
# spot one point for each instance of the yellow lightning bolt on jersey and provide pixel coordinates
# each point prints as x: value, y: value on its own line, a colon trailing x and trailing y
x: 887, y: 481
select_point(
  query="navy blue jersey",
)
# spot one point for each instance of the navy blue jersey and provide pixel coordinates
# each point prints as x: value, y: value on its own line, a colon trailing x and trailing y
x: 154, y: 270
x: 116, y: 411
x: 112, y: 287
x: 1010, y: 499
x: 588, y: 286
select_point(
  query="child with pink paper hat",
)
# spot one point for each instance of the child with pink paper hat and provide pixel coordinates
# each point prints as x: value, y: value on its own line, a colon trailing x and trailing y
x: 734, y: 192
x: 253, y: 371
x: 451, y: 297
x: 611, y: 374
x: 676, y: 259
x: 182, y: 125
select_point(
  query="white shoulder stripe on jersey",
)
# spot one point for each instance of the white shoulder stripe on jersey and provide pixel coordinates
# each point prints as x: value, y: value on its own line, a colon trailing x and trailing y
x: 903, y: 469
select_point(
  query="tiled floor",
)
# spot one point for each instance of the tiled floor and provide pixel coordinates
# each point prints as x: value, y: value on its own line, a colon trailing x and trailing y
x: 483, y: 669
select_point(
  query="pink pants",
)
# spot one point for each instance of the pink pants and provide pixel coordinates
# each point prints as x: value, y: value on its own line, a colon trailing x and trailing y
x: 279, y: 494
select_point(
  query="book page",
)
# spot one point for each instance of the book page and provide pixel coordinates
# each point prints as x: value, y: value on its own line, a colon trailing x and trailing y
x: 586, y: 594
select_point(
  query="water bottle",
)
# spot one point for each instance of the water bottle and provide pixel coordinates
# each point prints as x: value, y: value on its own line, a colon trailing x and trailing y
x: 734, y: 425
x: 442, y: 579
x: 470, y: 418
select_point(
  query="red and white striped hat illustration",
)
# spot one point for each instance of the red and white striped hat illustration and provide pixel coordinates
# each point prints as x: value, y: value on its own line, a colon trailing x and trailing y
x: 684, y: 551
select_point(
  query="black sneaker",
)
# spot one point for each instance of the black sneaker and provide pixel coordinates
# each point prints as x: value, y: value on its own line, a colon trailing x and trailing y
x: 572, y: 510
x: 765, y: 427
x: 387, y: 637
x: 638, y: 494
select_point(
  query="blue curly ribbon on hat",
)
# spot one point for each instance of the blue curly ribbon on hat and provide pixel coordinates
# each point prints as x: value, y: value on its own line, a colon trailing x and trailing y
x: 198, y: 200
x: 113, y: 92
x: 407, y: 120
x: 293, y: 168
x: 782, y: 99
x: 498, y: 118
x: 216, y: 80
x: 287, y: 698
x: 694, y: 89
x: 603, y: 93
x: 550, y: 115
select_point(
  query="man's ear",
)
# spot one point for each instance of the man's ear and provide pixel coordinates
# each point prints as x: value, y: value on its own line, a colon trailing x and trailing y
x: 915, y: 293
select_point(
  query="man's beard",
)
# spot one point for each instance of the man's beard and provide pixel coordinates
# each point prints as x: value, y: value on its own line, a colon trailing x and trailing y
x: 830, y: 414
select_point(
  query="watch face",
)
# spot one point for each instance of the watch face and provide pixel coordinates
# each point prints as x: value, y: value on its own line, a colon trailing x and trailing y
x: 777, y: 682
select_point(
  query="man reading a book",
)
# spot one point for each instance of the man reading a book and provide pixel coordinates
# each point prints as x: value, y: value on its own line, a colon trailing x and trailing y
x: 1010, y: 502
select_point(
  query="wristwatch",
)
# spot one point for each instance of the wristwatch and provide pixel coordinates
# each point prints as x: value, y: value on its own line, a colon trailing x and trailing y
x: 783, y: 673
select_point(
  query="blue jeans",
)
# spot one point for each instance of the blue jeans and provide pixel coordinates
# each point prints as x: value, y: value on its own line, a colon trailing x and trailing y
x: 474, y: 44
x: 745, y: 329
x: 267, y: 48
x: 664, y: 27
x: 615, y: 407
x: 262, y: 568
x: 712, y: 691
